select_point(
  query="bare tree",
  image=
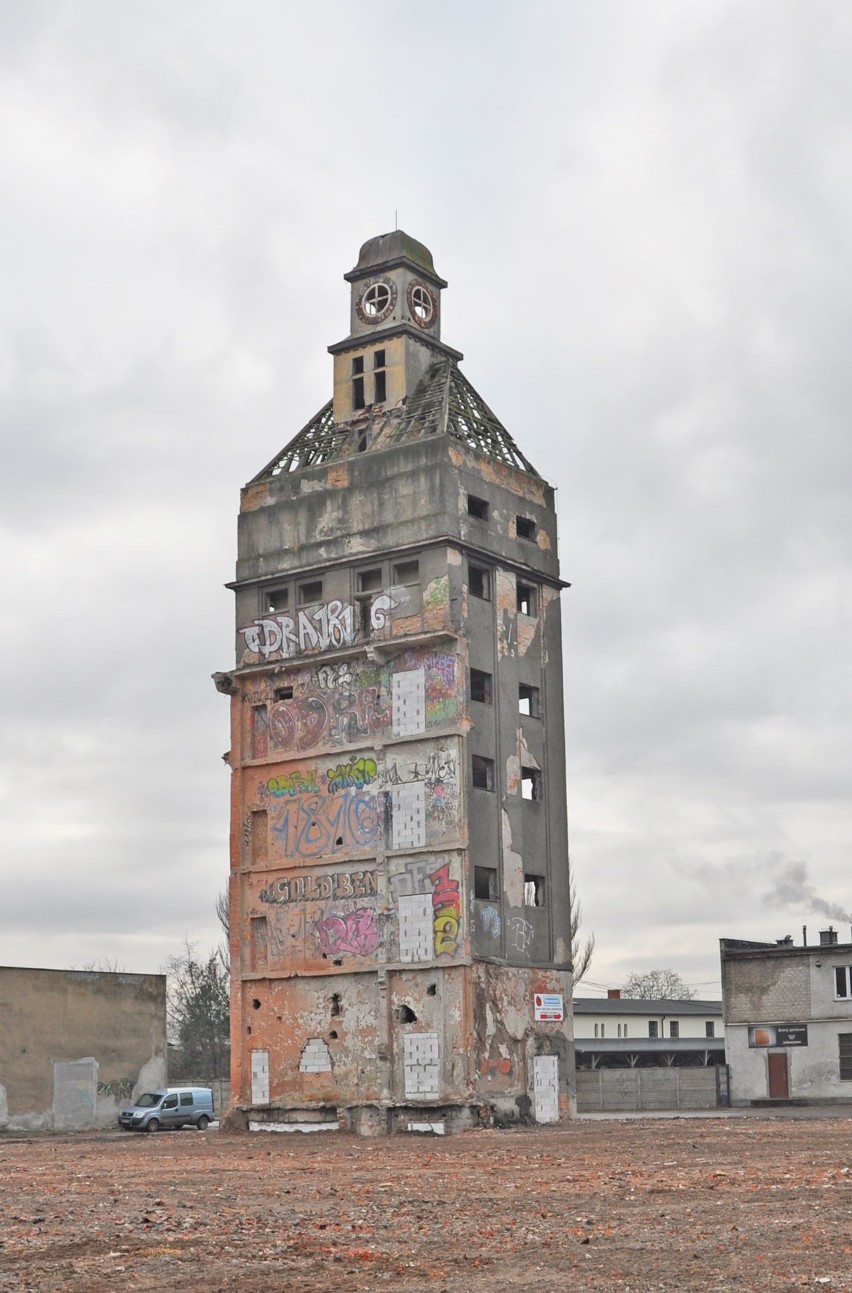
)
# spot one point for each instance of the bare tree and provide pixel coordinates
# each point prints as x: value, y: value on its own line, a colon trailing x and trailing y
x: 662, y: 984
x: 581, y: 957
x: 199, y: 1007
x: 223, y: 915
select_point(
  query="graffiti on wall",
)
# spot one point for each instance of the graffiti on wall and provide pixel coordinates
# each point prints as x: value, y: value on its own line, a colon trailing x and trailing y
x: 314, y: 825
x: 358, y: 773
x: 356, y: 932
x: 521, y: 935
x: 347, y: 704
x: 318, y: 629
x: 446, y: 911
x: 298, y: 782
x: 336, y: 886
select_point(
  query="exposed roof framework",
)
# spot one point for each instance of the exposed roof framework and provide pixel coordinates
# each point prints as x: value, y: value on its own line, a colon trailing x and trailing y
x: 443, y: 403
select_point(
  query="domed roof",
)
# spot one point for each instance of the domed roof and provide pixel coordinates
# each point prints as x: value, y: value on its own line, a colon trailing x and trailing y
x: 391, y: 248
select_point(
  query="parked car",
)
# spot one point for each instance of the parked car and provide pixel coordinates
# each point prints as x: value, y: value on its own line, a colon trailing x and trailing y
x: 174, y: 1106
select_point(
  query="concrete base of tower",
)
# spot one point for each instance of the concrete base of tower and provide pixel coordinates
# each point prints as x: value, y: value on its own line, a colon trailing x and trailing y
x: 367, y: 1120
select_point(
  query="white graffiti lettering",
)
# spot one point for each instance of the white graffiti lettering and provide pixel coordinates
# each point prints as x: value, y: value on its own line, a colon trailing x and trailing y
x: 313, y: 630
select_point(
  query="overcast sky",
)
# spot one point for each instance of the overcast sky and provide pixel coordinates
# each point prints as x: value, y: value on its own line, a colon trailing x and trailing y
x: 644, y: 212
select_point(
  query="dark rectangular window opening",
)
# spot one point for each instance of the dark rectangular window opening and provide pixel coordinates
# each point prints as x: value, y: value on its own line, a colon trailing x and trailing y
x: 842, y: 975
x: 481, y: 687
x: 479, y: 582
x: 527, y: 599
x: 709, y: 1028
x: 530, y: 783
x: 379, y: 359
x: 483, y: 772
x: 477, y: 507
x: 310, y: 592
x: 525, y: 527
x: 380, y: 388
x: 485, y: 883
x: 674, y: 1028
x: 278, y: 599
x: 363, y: 441
x: 365, y: 616
x: 406, y: 573
x: 534, y: 891
x: 653, y: 1028
x: 358, y: 401
x: 357, y: 365
x: 529, y: 699
x: 844, y: 1041
x: 283, y: 693
x: 370, y: 581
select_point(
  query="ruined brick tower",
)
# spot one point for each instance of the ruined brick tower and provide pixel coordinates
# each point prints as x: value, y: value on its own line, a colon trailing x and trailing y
x: 399, y: 899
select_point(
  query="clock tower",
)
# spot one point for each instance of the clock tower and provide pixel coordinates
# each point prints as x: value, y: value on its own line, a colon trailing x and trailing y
x: 394, y: 326
x: 399, y: 892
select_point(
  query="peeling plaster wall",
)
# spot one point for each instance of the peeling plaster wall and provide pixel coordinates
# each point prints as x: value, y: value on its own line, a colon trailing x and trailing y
x: 356, y: 827
x: 66, y: 1030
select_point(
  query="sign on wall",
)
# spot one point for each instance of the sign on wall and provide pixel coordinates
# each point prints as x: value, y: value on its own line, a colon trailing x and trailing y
x: 778, y: 1035
x: 549, y: 1007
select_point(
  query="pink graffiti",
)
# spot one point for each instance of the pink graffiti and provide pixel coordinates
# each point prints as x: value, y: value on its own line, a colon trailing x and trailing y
x: 446, y: 911
x: 356, y: 932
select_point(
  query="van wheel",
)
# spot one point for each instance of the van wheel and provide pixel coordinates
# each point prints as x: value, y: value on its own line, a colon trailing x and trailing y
x: 203, y: 1122
x: 153, y: 1125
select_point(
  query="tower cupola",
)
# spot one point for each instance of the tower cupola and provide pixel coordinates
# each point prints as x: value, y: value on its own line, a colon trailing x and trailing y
x: 394, y: 326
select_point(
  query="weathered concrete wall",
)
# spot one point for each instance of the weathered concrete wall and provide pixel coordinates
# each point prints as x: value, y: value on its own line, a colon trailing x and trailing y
x: 624, y: 1090
x: 75, y: 1045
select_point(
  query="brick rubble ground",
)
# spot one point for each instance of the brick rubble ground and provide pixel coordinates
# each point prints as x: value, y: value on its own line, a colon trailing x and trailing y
x: 720, y: 1204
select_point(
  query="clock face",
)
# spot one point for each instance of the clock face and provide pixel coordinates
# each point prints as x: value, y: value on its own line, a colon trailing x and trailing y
x: 421, y: 303
x: 376, y: 301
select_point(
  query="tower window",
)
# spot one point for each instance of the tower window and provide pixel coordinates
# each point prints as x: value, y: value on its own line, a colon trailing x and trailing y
x: 525, y: 527
x: 406, y: 573
x: 370, y: 581
x: 379, y: 359
x: 358, y: 401
x: 527, y: 599
x: 376, y: 300
x: 310, y: 592
x: 481, y: 687
x: 530, y: 783
x: 277, y: 599
x: 357, y: 365
x: 477, y: 507
x: 380, y: 388
x: 529, y: 700
x: 479, y: 582
x: 485, y: 883
x: 533, y: 890
x: 483, y: 772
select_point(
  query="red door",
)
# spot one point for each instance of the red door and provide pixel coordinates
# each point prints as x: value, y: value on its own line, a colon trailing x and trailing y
x: 779, y: 1080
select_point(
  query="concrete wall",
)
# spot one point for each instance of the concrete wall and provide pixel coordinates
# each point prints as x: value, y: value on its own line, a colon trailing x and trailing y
x: 623, y: 1090
x: 76, y: 1045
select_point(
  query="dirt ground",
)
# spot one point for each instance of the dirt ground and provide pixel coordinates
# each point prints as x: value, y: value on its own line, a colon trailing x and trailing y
x: 718, y: 1204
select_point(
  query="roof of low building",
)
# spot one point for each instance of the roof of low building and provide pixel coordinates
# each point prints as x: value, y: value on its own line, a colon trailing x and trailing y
x: 644, y: 1006
x: 653, y: 1045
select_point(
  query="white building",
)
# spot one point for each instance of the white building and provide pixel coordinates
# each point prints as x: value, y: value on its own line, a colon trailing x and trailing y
x: 614, y: 1031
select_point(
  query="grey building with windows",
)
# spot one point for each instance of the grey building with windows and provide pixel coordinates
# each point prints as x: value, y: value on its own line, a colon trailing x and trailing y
x: 399, y: 895
x: 788, y: 1019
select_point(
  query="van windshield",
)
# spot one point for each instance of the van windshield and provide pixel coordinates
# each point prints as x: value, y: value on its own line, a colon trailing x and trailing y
x: 149, y: 1099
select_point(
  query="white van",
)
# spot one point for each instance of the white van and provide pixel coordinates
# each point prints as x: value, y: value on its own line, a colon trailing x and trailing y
x: 174, y: 1106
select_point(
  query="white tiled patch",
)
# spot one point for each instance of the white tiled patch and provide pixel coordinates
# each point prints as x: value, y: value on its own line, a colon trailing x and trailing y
x: 415, y: 927
x: 422, y: 1068
x: 409, y: 703
x: 316, y: 1057
x: 409, y: 815
x: 260, y: 1077
x: 546, y: 1088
